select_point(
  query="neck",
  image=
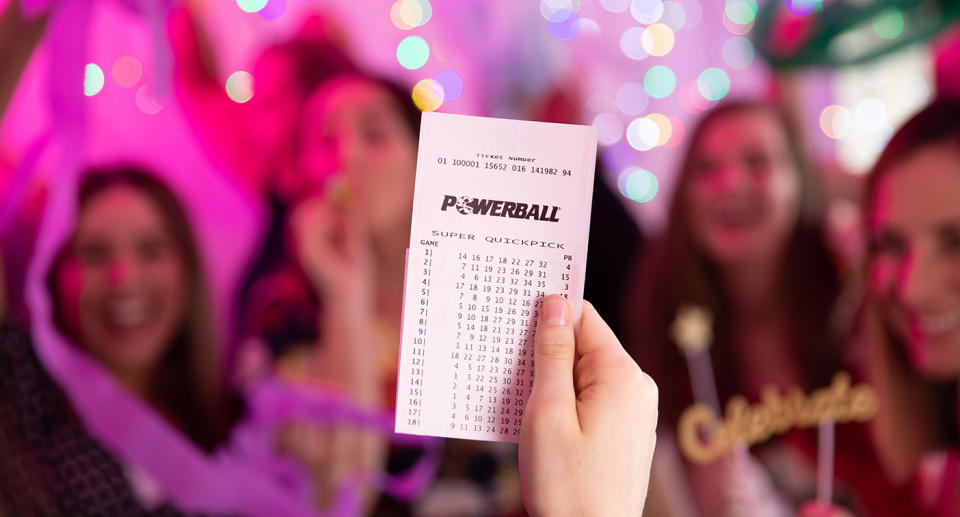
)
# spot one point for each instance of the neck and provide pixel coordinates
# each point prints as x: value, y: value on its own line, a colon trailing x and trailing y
x: 753, y: 286
x: 137, y: 382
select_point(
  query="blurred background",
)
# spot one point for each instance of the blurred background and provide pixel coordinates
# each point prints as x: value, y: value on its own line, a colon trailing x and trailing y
x: 221, y: 97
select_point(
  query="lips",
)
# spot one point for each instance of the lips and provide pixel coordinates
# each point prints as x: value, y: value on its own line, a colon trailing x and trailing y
x: 129, y: 313
x: 937, y: 324
x: 738, y: 214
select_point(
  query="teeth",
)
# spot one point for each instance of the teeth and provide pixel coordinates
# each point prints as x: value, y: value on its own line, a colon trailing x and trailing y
x: 738, y: 212
x: 939, y: 323
x: 129, y: 312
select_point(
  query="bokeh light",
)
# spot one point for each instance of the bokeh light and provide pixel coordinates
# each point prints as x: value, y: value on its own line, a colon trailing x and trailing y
x: 659, y: 82
x: 713, y: 84
x: 619, y: 156
x: 615, y: 6
x: 410, y: 14
x: 428, y: 95
x: 835, y: 121
x: 638, y: 184
x: 664, y: 128
x: 694, y: 14
x: 738, y: 52
x: 658, y: 40
x: 801, y: 7
x: 915, y: 90
x: 609, y: 128
x: 678, y: 133
x: 690, y: 98
x: 736, y: 28
x: 93, y: 79
x: 741, y: 12
x: 889, y: 24
x: 589, y: 26
x: 127, y: 71
x: 146, y: 101
x: 566, y: 29
x: 413, y: 52
x: 557, y: 10
x: 673, y: 15
x: 240, y: 86
x: 452, y: 84
x: 251, y: 6
x: 646, y: 11
x: 631, y: 43
x: 632, y: 98
x: 643, y: 134
x: 870, y: 115
x: 273, y: 10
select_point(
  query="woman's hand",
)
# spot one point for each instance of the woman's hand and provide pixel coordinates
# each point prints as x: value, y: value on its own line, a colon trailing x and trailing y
x: 589, y: 430
x: 334, y: 251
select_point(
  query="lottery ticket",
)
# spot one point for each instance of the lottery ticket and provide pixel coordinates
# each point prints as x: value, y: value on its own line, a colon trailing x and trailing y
x: 501, y: 218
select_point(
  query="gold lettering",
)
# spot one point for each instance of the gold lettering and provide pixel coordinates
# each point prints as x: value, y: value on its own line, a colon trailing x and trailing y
x: 704, y: 438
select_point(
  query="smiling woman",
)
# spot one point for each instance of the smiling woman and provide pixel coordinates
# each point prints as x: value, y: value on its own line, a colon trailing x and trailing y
x: 743, y: 242
x: 912, y: 314
x: 128, y: 288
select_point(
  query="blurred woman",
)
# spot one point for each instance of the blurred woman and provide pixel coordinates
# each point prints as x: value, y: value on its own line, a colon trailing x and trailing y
x: 744, y: 242
x: 123, y: 329
x: 911, y: 320
x: 128, y: 289
x: 343, y: 268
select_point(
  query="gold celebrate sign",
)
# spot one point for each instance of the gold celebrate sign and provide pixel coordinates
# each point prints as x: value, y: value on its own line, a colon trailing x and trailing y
x: 703, y: 438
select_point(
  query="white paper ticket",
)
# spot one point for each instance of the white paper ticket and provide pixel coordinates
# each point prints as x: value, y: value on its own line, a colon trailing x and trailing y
x: 501, y: 216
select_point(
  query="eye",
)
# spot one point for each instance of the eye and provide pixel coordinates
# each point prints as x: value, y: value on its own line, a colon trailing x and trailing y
x: 949, y: 237
x: 375, y: 135
x: 887, y: 244
x: 93, y: 254
x: 704, y: 166
x: 757, y: 162
x: 150, y: 250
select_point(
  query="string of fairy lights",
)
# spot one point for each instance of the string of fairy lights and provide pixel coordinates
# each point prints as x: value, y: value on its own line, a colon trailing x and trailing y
x: 646, y: 110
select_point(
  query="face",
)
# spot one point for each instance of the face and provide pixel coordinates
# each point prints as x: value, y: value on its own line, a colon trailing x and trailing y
x: 123, y: 283
x: 914, y: 231
x: 743, y: 193
x: 356, y: 142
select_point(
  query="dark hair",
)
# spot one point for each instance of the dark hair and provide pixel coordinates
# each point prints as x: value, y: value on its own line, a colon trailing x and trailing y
x: 677, y: 273
x: 313, y: 61
x: 938, y: 123
x: 917, y: 414
x: 188, y: 382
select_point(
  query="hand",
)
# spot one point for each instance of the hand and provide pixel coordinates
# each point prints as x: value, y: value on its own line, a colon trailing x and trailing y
x: 589, y: 430
x: 333, y: 455
x: 333, y: 251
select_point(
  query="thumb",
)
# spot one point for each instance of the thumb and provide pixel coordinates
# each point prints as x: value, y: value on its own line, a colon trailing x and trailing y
x: 554, y: 351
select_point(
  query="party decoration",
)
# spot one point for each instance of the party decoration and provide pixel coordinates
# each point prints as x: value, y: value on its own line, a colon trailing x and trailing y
x: 703, y: 437
x: 846, y: 33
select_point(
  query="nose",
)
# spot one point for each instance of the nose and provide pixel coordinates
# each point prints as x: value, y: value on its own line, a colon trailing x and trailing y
x: 918, y: 278
x: 729, y: 177
x: 119, y: 272
x: 347, y: 151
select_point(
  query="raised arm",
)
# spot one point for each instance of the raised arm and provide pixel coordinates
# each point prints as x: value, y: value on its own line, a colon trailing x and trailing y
x: 18, y: 37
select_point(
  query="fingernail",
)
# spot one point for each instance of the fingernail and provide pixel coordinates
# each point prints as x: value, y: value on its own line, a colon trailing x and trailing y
x: 554, y: 311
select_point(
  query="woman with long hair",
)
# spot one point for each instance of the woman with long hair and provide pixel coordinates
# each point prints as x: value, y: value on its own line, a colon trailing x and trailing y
x: 911, y: 318
x: 121, y: 395
x: 744, y: 244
